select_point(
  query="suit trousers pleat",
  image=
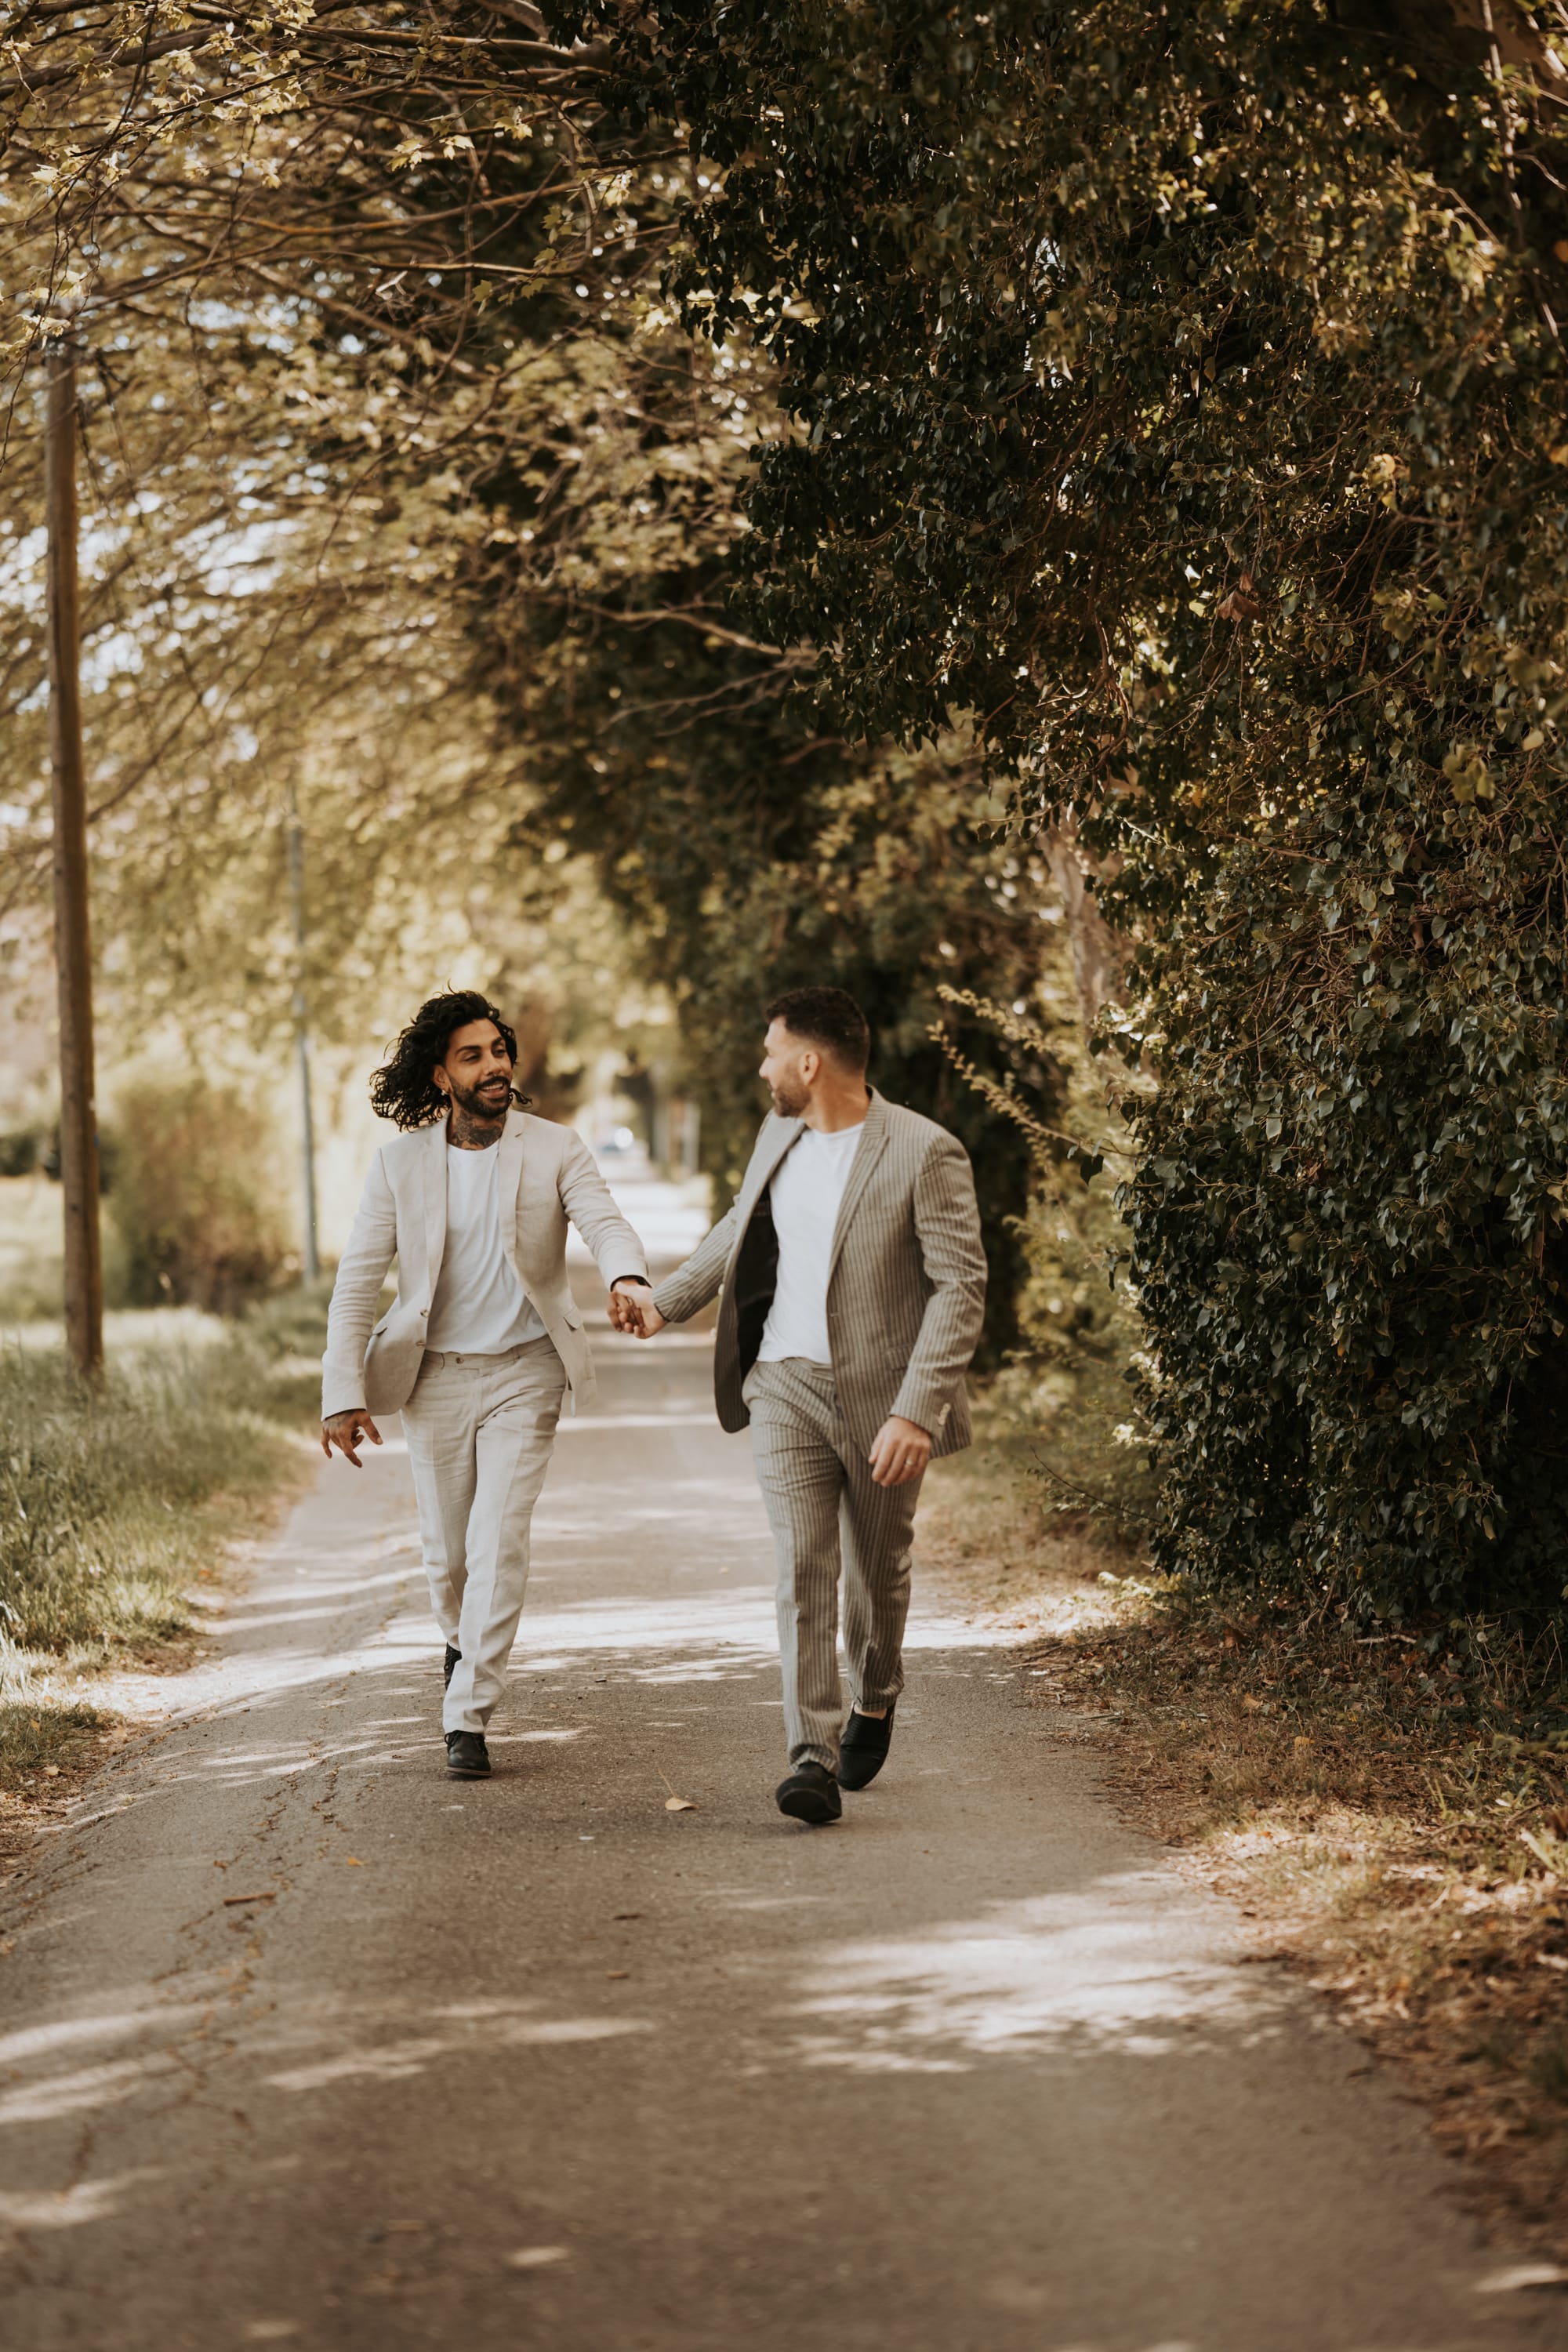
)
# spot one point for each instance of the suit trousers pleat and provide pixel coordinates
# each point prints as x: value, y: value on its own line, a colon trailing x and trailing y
x: 479, y: 1440
x: 829, y: 1515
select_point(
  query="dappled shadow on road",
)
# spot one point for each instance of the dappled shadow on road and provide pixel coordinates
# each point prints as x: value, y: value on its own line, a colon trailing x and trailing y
x: 1093, y: 1970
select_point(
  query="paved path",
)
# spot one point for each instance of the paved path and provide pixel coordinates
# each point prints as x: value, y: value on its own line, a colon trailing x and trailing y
x: 541, y: 2066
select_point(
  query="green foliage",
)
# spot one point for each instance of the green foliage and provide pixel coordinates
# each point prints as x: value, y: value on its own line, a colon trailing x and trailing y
x: 198, y: 1216
x: 1181, y: 392
x: 747, y: 849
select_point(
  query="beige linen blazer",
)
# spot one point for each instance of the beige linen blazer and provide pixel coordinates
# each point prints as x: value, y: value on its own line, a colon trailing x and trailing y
x: 548, y: 1172
x: 906, y: 1283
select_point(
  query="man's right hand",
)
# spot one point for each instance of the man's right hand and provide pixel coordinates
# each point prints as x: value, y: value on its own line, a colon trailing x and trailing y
x: 345, y: 1430
x: 633, y: 1311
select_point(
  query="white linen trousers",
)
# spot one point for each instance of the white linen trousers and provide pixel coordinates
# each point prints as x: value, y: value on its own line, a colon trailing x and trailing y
x: 480, y: 1429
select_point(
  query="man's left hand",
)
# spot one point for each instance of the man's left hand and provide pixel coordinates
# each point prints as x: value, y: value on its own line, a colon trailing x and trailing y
x: 632, y: 1309
x: 900, y: 1453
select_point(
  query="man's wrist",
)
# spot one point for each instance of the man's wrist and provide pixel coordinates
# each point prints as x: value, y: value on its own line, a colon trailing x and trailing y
x: 640, y: 1280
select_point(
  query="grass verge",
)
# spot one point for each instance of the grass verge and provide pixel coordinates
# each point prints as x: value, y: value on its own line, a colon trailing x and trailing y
x: 1391, y: 1810
x: 115, y: 1504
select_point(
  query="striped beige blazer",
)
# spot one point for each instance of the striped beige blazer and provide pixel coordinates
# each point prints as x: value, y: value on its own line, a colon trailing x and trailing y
x: 547, y: 1176
x: 905, y: 1286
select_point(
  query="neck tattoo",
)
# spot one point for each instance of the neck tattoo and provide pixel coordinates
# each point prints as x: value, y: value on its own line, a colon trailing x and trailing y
x: 471, y: 1132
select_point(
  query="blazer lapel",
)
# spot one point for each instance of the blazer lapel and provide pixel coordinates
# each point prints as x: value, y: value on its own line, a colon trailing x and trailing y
x: 509, y: 1178
x: 765, y: 1167
x: 866, y: 1157
x: 434, y: 1165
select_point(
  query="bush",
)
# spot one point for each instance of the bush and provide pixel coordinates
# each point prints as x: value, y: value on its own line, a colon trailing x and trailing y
x: 199, y: 1221
x: 19, y: 1152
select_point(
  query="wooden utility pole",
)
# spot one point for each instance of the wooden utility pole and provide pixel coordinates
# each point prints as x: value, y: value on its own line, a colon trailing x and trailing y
x: 73, y: 943
x: 303, y: 1046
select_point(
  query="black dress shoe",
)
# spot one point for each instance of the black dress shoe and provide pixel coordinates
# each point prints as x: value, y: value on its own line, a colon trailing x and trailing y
x: 467, y: 1757
x: 452, y: 1657
x: 810, y: 1794
x: 863, y: 1750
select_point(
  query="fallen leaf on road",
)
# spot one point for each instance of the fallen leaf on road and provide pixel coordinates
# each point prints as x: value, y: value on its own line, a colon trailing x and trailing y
x: 626, y: 1915
x: 615, y: 1976
x: 352, y: 1861
x: 674, y: 1804
x: 535, y: 2257
x: 267, y: 1895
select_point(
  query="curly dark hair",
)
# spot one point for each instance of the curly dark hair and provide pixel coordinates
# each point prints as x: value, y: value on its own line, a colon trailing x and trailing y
x: 404, y: 1089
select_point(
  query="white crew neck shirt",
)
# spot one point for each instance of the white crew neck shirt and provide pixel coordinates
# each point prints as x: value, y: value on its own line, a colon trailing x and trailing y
x: 481, y: 1307
x: 807, y: 1190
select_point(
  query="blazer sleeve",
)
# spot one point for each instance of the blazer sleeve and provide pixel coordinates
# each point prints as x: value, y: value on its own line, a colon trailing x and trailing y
x: 691, y: 1286
x: 947, y: 1227
x: 591, y: 1205
x: 356, y: 1293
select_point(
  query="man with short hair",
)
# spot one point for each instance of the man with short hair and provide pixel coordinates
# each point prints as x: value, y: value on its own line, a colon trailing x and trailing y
x: 473, y: 1198
x: 854, y: 1286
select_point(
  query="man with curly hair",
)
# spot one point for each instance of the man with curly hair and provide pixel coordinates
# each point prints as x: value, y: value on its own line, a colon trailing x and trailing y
x: 473, y: 1198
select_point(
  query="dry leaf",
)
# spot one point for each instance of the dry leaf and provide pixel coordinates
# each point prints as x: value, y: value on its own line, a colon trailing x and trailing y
x: 535, y: 2257
x: 353, y: 1862
x: 679, y: 1805
x: 617, y: 1976
x: 266, y: 1896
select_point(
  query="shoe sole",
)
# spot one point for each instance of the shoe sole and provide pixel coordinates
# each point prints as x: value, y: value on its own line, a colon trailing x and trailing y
x: 805, y: 1805
x: 468, y: 1773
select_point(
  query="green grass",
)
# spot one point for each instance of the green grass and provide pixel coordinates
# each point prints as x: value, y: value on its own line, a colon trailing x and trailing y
x: 116, y: 1500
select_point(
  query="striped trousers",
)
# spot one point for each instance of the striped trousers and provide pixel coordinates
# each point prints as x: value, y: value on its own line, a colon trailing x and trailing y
x: 827, y: 1514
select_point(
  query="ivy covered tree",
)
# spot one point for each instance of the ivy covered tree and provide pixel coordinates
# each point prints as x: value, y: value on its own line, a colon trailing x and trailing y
x: 1177, y: 393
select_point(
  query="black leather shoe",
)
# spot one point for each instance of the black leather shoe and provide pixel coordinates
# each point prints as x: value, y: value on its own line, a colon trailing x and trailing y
x: 452, y: 1657
x: 810, y: 1794
x: 467, y: 1757
x: 863, y: 1750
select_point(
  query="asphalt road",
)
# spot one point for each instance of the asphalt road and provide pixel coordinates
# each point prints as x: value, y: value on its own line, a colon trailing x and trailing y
x: 302, y: 2042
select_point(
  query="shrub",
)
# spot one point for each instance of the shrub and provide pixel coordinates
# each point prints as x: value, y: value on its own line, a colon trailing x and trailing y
x: 19, y: 1152
x: 199, y: 1219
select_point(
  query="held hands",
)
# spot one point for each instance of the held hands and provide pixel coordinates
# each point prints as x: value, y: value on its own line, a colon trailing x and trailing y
x: 901, y: 1451
x: 632, y: 1309
x: 344, y: 1430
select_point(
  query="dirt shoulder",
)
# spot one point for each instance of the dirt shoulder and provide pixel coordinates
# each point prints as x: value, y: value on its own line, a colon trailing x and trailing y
x: 1392, y: 1812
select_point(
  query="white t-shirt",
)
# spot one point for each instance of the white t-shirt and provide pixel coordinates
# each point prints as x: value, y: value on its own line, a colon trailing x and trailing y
x: 806, y: 1192
x: 480, y: 1307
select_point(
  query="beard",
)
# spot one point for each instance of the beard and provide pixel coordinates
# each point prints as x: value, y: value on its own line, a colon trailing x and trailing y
x: 789, y: 1097
x: 489, y: 1100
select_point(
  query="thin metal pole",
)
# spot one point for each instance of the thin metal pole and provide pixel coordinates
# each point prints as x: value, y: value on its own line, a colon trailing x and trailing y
x: 302, y: 1044
x: 73, y: 942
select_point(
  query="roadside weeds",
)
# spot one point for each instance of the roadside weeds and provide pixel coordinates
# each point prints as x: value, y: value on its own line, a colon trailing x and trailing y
x: 117, y: 1508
